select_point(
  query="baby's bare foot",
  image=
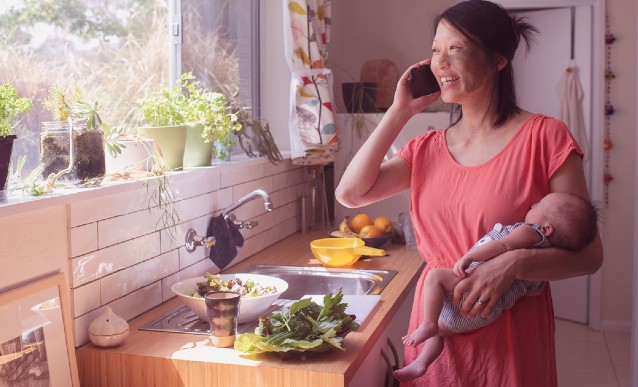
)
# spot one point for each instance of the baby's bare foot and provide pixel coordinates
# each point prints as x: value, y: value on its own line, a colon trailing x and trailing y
x: 421, y: 333
x: 411, y: 371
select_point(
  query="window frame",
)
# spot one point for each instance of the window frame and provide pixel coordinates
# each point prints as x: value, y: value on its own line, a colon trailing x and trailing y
x: 251, y: 25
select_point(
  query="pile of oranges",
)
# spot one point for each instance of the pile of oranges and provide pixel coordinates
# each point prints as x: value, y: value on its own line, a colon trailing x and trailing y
x: 365, y: 227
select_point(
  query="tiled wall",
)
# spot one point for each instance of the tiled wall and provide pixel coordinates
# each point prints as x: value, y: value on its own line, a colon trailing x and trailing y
x: 121, y: 257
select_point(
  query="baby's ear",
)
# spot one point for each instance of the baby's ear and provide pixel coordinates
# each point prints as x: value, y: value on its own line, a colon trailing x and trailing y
x: 547, y: 229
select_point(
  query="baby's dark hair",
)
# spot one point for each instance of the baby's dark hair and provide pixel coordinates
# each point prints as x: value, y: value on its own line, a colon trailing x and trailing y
x: 577, y: 223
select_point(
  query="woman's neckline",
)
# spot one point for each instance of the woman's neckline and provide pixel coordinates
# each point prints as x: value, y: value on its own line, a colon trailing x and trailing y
x: 497, y: 154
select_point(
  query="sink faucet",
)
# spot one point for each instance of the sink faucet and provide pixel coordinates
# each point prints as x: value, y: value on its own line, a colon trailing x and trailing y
x: 252, y: 195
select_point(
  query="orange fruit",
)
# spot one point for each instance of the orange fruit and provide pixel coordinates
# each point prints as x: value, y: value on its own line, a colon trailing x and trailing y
x: 359, y: 221
x: 370, y: 231
x: 384, y: 224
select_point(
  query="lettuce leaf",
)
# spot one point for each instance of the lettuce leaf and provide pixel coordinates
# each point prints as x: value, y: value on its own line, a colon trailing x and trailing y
x: 304, y: 326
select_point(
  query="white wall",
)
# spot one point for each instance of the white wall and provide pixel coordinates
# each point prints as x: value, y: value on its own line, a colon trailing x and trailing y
x: 619, y: 215
x: 363, y: 30
x: 275, y: 75
x: 34, y: 245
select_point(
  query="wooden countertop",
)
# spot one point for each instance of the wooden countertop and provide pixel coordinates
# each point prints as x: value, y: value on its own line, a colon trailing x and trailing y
x: 150, y: 358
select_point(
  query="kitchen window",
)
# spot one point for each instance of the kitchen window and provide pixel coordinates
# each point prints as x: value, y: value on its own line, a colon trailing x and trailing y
x: 120, y: 50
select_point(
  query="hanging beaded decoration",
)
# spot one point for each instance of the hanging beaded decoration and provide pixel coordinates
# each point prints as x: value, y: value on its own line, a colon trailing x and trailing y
x: 609, y: 108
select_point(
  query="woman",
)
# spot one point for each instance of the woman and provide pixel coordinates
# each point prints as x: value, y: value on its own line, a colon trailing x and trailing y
x: 492, y: 164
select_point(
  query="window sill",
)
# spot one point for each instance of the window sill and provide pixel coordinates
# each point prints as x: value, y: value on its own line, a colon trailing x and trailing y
x: 18, y: 202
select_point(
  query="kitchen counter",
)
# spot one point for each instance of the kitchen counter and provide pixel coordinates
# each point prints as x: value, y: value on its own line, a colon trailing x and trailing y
x: 150, y: 358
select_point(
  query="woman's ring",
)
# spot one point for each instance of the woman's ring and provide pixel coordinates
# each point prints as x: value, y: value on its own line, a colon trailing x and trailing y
x: 481, y: 302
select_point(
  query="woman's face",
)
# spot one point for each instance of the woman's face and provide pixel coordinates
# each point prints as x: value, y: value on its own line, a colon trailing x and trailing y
x: 461, y: 66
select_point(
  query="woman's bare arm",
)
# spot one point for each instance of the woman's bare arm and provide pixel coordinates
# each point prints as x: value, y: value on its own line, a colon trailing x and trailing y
x: 492, y: 278
x: 367, y: 179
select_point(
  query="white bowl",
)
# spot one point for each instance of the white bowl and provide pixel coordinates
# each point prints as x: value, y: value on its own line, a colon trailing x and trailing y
x: 250, y: 308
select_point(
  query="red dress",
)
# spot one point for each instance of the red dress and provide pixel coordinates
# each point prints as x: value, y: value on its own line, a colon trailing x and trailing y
x: 451, y: 207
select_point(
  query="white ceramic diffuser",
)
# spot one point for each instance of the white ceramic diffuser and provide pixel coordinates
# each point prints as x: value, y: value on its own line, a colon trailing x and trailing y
x: 108, y: 330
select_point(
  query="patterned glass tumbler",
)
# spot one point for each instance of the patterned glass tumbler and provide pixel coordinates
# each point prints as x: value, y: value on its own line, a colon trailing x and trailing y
x: 223, y: 310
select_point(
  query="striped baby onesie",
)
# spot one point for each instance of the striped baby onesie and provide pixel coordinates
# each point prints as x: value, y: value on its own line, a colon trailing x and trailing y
x: 450, y: 314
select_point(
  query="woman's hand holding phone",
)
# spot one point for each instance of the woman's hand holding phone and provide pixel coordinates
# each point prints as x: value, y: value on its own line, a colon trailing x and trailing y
x: 422, y: 81
x: 403, y: 99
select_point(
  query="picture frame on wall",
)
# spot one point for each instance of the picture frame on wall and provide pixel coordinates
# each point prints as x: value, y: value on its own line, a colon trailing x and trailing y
x: 36, y: 340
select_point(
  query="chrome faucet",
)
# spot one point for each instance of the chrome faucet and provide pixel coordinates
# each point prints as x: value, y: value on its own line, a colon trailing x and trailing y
x: 193, y: 240
x: 252, y: 195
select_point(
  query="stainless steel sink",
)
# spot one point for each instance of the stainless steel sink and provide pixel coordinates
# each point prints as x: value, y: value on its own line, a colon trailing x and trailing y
x: 320, y: 280
x: 301, y: 281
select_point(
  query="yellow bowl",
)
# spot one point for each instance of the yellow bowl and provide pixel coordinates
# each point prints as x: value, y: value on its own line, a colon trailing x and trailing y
x: 338, y: 252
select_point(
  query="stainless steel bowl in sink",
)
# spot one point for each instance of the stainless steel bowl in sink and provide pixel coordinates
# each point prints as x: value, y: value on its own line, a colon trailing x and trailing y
x: 304, y: 280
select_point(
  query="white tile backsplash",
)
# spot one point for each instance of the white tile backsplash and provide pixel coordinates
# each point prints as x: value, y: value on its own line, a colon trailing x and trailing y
x: 83, y: 239
x: 195, y: 207
x: 86, y: 298
x: 132, y: 278
x: 121, y: 258
x: 109, y: 260
x: 126, y: 227
x: 104, y: 207
x: 186, y: 185
x: 187, y: 259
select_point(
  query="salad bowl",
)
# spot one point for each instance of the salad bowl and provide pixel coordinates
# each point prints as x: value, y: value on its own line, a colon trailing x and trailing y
x: 251, y: 306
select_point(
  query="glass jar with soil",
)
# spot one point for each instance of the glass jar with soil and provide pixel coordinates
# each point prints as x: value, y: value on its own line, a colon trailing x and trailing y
x: 88, y: 151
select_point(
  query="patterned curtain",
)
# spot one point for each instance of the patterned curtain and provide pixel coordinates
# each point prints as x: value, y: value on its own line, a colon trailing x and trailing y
x: 313, y: 133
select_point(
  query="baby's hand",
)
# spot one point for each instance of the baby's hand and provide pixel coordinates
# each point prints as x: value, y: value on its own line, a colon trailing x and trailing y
x: 461, y: 265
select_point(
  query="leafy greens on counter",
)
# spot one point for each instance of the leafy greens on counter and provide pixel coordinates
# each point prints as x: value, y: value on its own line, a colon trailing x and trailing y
x: 304, y: 326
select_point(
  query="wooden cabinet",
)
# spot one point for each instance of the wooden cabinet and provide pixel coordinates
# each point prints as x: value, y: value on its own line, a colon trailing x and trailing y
x: 373, y: 371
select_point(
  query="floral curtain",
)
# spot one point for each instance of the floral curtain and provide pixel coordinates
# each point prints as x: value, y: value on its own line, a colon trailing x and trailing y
x: 313, y: 133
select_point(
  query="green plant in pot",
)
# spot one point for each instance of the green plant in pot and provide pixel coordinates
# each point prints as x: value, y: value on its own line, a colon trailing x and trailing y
x: 255, y: 137
x: 199, y: 149
x: 11, y: 104
x: 165, y: 117
x: 127, y: 150
x: 212, y: 122
x: 220, y: 124
x: 79, y: 158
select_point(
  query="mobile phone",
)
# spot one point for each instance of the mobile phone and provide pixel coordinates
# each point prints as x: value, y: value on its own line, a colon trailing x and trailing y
x: 423, y: 82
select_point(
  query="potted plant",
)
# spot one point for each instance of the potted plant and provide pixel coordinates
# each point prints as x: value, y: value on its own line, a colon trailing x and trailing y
x: 83, y: 152
x: 220, y: 124
x: 126, y: 150
x: 212, y: 121
x: 165, y: 117
x: 199, y: 149
x: 255, y: 138
x: 11, y: 104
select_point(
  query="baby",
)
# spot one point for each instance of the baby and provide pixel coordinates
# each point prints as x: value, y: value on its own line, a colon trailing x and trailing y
x: 560, y: 220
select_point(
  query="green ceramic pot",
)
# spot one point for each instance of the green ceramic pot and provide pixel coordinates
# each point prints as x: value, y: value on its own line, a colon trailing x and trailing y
x: 197, y: 152
x: 170, y: 141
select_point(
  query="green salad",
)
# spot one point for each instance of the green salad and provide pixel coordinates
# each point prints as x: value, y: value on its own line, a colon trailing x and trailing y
x: 304, y: 326
x: 213, y: 282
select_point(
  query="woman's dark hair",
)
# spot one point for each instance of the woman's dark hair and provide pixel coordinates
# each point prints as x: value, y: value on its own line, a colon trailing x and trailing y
x: 489, y: 25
